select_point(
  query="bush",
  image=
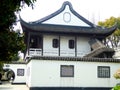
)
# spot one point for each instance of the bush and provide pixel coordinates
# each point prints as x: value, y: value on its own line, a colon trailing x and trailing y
x: 117, y: 74
x: 117, y: 87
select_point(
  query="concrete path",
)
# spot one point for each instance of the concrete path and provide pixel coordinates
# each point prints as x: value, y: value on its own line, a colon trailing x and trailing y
x: 8, y: 86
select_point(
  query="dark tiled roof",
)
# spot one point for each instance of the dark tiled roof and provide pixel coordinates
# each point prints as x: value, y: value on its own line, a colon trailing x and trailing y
x: 47, y: 28
x: 84, y: 59
x: 17, y: 62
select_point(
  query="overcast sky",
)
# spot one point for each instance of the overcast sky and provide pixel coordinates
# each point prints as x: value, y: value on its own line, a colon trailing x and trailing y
x: 93, y: 10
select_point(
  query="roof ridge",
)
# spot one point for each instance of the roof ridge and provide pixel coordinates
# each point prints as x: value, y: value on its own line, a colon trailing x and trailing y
x: 62, y: 9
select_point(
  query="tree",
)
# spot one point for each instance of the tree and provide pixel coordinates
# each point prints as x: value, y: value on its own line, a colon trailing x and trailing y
x: 10, y: 41
x: 114, y: 39
x: 117, y: 76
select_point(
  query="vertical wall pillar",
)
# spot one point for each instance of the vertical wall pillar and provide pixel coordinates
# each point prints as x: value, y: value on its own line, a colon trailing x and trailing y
x: 42, y: 45
x: 59, y: 45
x: 28, y: 42
x: 75, y: 46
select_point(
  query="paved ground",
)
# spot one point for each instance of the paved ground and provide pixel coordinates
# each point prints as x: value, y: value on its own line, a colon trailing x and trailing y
x: 8, y: 86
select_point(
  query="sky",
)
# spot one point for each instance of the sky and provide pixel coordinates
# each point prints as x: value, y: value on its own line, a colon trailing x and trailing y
x: 93, y: 10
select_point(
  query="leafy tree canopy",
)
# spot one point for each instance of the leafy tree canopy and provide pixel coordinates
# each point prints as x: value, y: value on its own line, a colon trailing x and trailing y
x: 114, y: 39
x: 10, y: 41
x: 7, y: 12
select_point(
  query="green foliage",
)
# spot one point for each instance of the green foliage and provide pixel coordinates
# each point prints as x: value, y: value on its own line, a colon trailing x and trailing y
x: 117, y: 74
x: 10, y: 44
x: 10, y: 41
x: 1, y: 65
x: 108, y: 22
x: 7, y: 12
x: 117, y: 87
x: 114, y: 39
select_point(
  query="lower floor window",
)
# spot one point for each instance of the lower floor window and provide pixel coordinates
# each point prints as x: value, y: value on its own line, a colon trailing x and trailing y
x: 20, y: 72
x: 103, y: 72
x: 67, y: 71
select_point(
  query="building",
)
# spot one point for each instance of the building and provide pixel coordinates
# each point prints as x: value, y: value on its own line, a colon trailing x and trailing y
x: 65, y: 51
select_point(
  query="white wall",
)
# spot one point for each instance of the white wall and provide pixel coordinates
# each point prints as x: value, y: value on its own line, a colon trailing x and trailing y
x: 83, y: 46
x: 14, y: 67
x: 48, y: 49
x: 64, y: 46
x: 59, y: 19
x: 29, y: 74
x: 46, y: 73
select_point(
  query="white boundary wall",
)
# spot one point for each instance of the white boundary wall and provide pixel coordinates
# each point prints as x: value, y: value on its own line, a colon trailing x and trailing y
x: 46, y: 73
x: 14, y: 67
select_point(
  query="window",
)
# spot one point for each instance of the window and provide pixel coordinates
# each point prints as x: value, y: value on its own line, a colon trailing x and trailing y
x: 33, y: 42
x: 67, y: 71
x: 103, y: 72
x: 20, y: 72
x: 55, y: 43
x: 71, y: 44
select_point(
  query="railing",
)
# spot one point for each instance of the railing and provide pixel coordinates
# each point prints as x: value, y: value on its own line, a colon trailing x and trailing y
x: 35, y: 52
x: 69, y: 53
x: 50, y: 52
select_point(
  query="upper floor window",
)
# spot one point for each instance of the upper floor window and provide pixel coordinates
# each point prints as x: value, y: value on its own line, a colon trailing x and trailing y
x: 71, y: 44
x: 33, y: 42
x: 55, y: 43
x: 103, y: 72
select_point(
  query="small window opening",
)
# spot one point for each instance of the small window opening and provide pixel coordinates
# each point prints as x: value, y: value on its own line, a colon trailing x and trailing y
x: 71, y: 44
x: 55, y: 43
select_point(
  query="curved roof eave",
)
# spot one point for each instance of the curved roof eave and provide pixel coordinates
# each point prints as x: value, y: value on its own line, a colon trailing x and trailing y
x: 68, y: 29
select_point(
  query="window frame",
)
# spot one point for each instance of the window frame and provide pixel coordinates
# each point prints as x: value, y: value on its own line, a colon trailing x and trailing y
x: 55, y: 43
x: 71, y: 44
x: 101, y: 73
x: 19, y: 72
x: 33, y: 42
x: 66, y: 75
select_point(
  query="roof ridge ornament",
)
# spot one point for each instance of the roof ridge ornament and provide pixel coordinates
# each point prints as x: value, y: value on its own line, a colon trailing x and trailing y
x: 63, y: 7
x: 67, y: 3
